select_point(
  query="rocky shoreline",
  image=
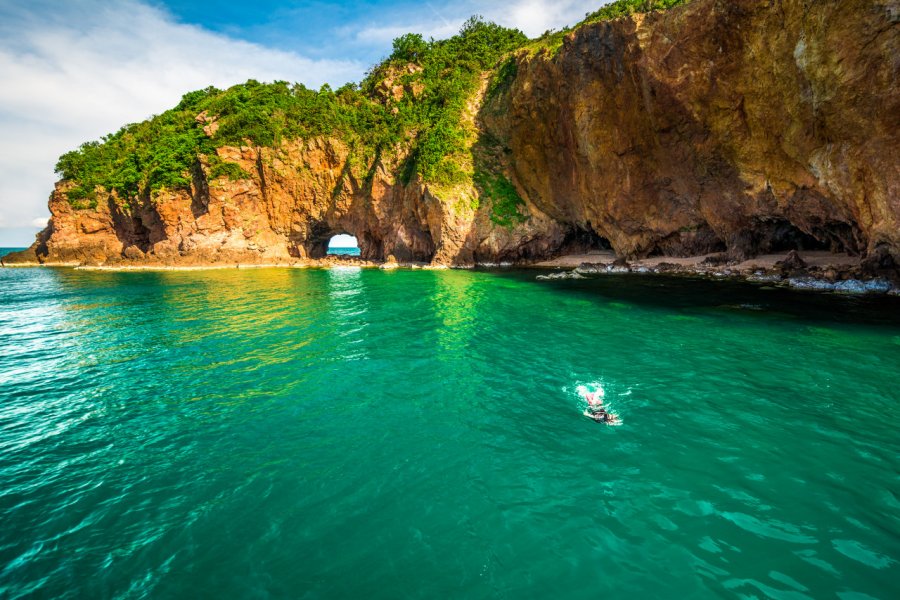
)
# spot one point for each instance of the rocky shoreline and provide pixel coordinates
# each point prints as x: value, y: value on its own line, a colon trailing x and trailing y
x: 326, y: 262
x: 814, y: 271
x: 877, y: 274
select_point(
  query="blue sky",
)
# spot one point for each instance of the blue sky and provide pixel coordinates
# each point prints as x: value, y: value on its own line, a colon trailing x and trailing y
x: 363, y: 30
x: 73, y: 70
x: 311, y: 28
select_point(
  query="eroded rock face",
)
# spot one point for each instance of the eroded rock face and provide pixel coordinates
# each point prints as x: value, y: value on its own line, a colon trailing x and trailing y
x: 297, y: 198
x: 744, y: 126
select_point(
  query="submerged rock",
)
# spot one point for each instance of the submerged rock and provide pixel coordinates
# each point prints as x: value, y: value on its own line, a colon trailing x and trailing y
x: 666, y: 267
x: 560, y: 275
x: 763, y: 277
x: 850, y: 286
x: 590, y: 268
x: 809, y: 283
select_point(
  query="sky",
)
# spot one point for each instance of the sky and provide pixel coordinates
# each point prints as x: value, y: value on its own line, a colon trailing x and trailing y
x: 74, y: 70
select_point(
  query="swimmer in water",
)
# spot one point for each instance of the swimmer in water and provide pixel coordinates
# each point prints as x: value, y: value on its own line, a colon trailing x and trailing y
x: 595, y: 409
x: 601, y: 415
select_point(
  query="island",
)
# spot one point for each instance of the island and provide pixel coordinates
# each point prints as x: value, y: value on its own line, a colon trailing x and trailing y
x: 685, y: 133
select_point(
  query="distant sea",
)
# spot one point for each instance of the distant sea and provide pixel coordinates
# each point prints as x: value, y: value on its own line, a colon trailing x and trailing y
x: 356, y: 433
x: 5, y: 251
x: 344, y: 251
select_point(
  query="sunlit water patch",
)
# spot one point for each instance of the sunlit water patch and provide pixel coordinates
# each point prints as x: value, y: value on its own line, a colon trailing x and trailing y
x: 359, y: 433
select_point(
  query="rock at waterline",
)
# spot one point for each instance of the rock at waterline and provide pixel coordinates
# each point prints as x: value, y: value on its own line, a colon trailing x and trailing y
x: 560, y: 275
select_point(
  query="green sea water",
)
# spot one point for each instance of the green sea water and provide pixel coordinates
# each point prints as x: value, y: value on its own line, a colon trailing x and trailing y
x: 356, y: 433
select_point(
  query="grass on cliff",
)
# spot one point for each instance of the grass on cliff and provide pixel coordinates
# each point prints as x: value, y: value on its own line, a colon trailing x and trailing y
x: 552, y: 40
x: 161, y: 152
x: 623, y: 8
x: 501, y: 193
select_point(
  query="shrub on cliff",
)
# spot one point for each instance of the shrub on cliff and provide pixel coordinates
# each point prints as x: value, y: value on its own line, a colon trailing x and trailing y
x: 552, y: 40
x: 505, y: 200
x: 623, y: 8
x: 449, y: 72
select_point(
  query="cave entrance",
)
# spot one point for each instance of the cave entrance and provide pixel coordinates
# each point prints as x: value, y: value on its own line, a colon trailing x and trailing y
x: 584, y: 241
x: 779, y: 235
x: 343, y: 244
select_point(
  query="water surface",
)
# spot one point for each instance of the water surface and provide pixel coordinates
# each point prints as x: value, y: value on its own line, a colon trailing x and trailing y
x: 359, y: 433
x: 338, y: 251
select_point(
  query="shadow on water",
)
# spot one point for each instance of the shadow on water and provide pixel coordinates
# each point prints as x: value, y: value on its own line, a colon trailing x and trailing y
x: 695, y: 294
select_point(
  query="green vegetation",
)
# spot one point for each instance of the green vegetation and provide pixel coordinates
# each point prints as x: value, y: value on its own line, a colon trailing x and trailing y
x: 418, y: 97
x: 503, y: 77
x: 505, y: 200
x: 450, y: 71
x: 623, y: 8
x: 220, y: 168
x: 552, y: 40
x: 160, y: 152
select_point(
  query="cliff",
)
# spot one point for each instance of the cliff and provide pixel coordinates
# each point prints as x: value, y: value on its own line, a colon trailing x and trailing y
x: 745, y: 126
x: 749, y: 125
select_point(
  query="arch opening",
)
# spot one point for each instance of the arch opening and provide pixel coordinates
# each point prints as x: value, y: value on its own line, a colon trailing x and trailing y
x: 343, y: 244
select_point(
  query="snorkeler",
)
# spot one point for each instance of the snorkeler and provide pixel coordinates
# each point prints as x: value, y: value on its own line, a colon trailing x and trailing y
x: 601, y: 415
x: 595, y: 409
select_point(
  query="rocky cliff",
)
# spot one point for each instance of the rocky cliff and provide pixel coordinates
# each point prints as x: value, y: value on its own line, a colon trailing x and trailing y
x: 749, y: 125
x: 744, y: 126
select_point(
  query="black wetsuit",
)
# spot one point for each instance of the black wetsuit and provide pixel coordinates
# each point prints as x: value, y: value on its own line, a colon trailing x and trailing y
x: 598, y: 414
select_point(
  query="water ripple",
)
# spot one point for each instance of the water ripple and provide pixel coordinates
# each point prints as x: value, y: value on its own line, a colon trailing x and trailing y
x: 418, y: 433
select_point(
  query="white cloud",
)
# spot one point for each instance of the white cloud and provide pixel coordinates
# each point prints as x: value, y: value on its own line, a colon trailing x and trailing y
x: 343, y: 240
x: 383, y: 35
x: 39, y: 222
x: 534, y: 17
x: 74, y: 73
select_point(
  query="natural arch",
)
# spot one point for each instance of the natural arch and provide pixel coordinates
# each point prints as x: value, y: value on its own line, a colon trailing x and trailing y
x: 318, y: 243
x: 343, y: 244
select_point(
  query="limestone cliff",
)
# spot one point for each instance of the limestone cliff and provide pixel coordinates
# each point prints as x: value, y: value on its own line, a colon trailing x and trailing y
x: 739, y: 125
x: 748, y: 125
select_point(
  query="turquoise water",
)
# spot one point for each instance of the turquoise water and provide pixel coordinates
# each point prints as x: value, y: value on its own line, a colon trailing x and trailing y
x: 348, y: 433
x: 344, y: 251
